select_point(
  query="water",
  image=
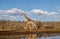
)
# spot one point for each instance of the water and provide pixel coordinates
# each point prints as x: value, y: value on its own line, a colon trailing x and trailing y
x: 18, y: 37
x: 54, y: 37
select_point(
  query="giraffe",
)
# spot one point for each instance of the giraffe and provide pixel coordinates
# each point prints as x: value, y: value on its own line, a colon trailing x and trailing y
x: 30, y: 25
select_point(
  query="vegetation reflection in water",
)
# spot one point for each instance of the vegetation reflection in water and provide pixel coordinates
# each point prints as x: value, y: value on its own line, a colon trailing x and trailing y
x: 18, y: 37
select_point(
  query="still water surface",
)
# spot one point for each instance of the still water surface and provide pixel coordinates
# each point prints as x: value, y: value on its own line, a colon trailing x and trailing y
x: 54, y: 37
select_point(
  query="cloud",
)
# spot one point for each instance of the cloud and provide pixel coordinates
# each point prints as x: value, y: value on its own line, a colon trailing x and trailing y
x: 8, y: 16
x: 56, y: 16
x: 18, y: 11
x: 11, y: 14
x: 41, y: 12
x: 59, y: 10
x: 15, y: 13
x: 13, y: 10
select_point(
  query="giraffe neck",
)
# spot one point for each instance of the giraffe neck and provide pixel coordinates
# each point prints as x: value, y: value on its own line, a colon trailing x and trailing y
x: 26, y: 17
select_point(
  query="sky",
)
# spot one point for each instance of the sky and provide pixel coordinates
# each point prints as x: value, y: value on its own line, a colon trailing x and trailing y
x: 40, y: 10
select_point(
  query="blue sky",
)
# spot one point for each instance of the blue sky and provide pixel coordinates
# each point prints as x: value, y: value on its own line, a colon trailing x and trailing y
x: 42, y: 10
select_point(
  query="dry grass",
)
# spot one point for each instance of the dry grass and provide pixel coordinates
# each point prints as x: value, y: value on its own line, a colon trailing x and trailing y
x: 18, y: 25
